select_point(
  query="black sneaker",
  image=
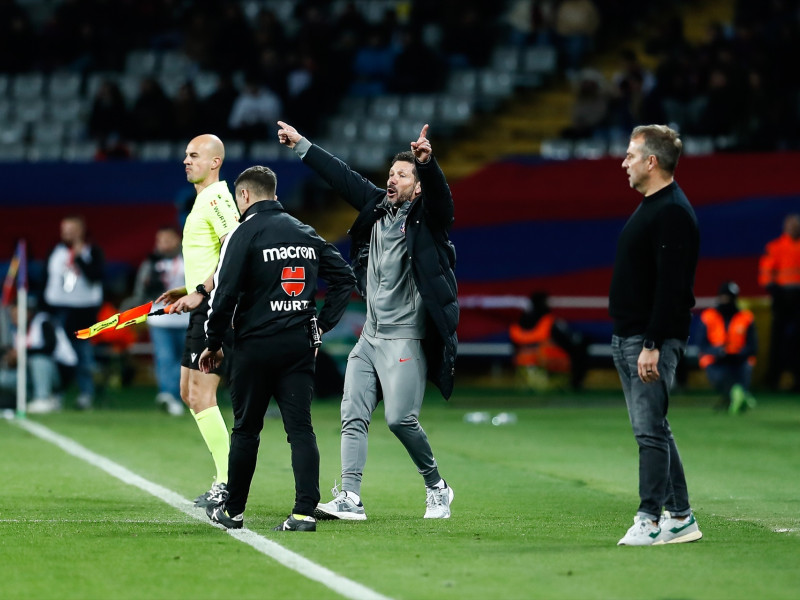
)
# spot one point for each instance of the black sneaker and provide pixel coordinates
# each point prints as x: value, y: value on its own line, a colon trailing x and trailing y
x: 217, y: 495
x: 292, y: 524
x: 219, y: 514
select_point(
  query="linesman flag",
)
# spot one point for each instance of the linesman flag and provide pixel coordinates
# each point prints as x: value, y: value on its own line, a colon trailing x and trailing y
x: 137, y: 314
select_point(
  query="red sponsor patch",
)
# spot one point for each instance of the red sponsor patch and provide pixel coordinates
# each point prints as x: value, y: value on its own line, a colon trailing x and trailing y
x: 293, y: 280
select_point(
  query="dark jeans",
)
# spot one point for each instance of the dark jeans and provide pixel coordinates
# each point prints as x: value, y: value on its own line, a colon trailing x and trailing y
x: 661, y: 480
x: 279, y: 366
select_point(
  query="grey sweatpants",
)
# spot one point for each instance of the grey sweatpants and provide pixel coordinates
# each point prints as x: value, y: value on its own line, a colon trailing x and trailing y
x: 398, y: 368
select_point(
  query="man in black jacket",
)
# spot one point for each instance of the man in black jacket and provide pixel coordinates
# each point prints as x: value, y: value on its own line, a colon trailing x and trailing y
x: 404, y: 263
x: 266, y: 282
x: 650, y: 302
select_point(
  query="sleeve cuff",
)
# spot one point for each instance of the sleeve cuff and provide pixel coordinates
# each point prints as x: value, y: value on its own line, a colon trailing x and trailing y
x: 302, y: 147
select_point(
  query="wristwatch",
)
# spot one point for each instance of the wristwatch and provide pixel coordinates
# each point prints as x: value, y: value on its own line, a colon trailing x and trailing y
x: 649, y: 344
x: 201, y: 289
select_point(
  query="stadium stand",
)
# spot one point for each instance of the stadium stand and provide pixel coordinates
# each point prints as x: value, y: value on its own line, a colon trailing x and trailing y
x: 498, y: 109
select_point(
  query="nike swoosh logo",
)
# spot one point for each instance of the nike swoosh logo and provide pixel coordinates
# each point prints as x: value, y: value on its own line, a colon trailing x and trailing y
x: 405, y: 359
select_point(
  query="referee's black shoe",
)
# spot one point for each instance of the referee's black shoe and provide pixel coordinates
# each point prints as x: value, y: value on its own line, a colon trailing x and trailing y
x: 297, y: 524
x: 219, y: 514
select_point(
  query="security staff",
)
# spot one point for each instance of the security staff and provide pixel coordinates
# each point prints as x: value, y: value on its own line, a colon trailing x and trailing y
x: 779, y: 273
x: 727, y: 343
x: 266, y: 283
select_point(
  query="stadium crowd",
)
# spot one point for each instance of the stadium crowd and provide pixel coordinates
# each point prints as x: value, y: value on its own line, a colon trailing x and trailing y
x: 298, y: 63
x: 733, y: 87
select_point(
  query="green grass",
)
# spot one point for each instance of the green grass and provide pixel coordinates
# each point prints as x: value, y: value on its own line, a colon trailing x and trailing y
x: 539, y: 507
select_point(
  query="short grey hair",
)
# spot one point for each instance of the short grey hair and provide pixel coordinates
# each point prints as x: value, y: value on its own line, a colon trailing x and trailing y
x: 662, y: 142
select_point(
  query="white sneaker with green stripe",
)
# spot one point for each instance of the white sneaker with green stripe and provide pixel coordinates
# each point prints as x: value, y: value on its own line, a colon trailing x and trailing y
x: 642, y: 533
x: 678, y: 531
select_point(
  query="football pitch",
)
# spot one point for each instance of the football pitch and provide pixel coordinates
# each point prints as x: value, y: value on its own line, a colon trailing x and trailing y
x: 95, y: 505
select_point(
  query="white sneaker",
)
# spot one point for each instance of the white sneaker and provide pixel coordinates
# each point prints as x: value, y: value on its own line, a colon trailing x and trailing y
x: 168, y: 402
x: 678, y: 531
x: 41, y: 406
x: 341, y: 507
x: 641, y: 533
x: 437, y: 502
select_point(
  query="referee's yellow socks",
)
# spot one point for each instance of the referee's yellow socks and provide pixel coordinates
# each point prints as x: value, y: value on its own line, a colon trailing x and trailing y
x: 212, y: 428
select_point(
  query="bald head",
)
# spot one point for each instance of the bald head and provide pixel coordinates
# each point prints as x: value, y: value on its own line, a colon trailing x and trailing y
x: 204, y: 157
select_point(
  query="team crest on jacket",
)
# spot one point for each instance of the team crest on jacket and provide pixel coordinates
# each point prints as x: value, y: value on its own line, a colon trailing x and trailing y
x: 293, y: 280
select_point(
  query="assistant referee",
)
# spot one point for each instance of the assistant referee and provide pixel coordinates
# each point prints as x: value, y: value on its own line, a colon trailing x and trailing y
x: 266, y: 283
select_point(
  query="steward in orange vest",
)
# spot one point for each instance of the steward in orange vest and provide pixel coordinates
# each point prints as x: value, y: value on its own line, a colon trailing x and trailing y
x: 779, y: 273
x: 728, y: 343
x: 542, y: 340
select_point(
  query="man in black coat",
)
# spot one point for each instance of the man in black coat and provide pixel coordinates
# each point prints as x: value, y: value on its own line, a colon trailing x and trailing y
x: 404, y: 262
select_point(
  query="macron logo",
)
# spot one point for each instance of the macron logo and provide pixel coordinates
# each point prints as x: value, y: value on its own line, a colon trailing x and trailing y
x: 285, y: 252
x: 194, y: 356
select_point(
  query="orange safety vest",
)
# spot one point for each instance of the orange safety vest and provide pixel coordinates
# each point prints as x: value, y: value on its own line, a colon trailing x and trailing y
x: 733, y: 339
x: 780, y: 264
x: 535, y: 347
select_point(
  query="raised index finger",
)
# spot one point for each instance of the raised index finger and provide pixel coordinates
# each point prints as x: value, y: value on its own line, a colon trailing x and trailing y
x: 424, y: 132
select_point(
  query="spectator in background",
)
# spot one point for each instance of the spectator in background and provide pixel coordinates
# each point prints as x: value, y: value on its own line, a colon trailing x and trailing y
x: 530, y: 22
x: 576, y: 24
x: 591, y: 108
x: 727, y: 345
x: 254, y: 111
x: 73, y: 291
x: 19, y: 48
x: 351, y: 22
x: 779, y: 273
x: 108, y: 119
x: 48, y: 350
x: 163, y: 270
x: 307, y: 96
x: 372, y: 66
x: 721, y: 115
x: 418, y: 68
x: 544, y: 344
x: 269, y: 31
x: 271, y: 69
x: 469, y: 33
x: 630, y: 67
x: 229, y: 17
x: 152, y: 115
x: 187, y: 110
x: 217, y: 107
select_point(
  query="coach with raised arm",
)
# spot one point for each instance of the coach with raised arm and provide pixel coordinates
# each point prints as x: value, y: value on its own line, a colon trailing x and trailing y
x: 404, y: 263
x: 267, y: 283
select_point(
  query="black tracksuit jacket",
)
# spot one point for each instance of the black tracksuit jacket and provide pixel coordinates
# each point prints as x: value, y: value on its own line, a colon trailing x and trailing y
x: 267, y: 277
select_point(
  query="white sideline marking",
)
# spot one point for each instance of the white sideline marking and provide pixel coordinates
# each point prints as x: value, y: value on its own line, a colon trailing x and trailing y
x: 310, y: 570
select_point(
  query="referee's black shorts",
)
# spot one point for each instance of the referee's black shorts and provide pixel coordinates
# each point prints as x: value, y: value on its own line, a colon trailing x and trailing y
x: 195, y: 341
